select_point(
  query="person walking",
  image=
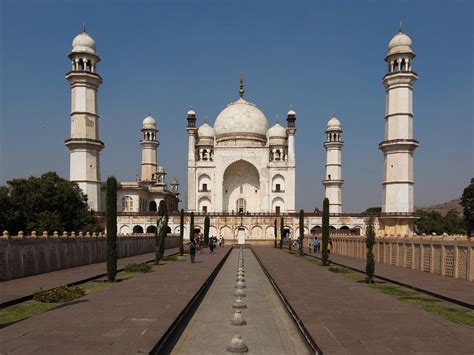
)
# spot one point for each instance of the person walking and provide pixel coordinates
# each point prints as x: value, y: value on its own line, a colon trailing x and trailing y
x: 309, y: 246
x: 315, y: 245
x: 192, y: 250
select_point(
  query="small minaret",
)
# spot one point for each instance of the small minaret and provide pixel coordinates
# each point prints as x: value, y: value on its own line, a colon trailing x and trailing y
x: 291, y: 166
x: 149, y: 144
x: 398, y: 144
x: 84, y: 144
x: 333, y: 180
x: 192, y: 131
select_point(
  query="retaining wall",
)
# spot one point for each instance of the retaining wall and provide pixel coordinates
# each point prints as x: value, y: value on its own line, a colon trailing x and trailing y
x: 22, y: 256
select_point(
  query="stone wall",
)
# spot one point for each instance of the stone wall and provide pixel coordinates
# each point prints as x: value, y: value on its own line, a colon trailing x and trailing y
x: 451, y: 256
x: 22, y: 256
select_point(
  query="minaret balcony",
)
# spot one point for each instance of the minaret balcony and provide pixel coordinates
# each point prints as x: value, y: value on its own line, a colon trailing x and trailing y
x: 333, y: 182
x: 399, y: 144
x: 94, y: 144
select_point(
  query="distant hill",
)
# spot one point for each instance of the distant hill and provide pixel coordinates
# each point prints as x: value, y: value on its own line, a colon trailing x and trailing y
x: 444, y: 207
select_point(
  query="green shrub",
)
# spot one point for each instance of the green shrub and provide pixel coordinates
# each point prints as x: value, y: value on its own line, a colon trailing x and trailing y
x: 137, y: 267
x: 59, y: 294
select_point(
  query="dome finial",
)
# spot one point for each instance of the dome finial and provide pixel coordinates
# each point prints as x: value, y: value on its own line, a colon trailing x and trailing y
x: 241, y: 90
x: 400, y: 27
x: 84, y: 26
x: 278, y: 118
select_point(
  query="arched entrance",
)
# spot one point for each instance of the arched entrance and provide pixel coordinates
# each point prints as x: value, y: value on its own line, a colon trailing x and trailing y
x: 241, y: 188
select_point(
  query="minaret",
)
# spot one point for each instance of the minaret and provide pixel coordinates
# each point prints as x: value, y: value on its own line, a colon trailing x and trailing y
x: 291, y: 130
x: 398, y: 144
x: 192, y: 130
x: 333, y: 180
x: 84, y: 144
x: 149, y: 143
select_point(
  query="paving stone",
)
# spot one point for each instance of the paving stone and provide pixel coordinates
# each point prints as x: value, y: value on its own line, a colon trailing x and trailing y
x: 347, y: 317
x: 106, y: 321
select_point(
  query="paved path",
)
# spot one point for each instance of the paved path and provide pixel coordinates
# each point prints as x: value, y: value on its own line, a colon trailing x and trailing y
x: 344, y: 316
x: 127, y: 318
x: 457, y: 289
x: 25, y: 286
x: 269, y: 329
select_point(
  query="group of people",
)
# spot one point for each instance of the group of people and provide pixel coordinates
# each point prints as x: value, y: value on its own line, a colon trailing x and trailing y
x: 197, y: 242
x: 314, y: 245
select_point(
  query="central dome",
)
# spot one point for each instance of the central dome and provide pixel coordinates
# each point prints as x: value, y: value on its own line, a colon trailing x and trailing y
x: 241, y: 119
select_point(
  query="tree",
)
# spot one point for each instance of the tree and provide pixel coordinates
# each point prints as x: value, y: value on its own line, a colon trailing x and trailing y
x: 301, y: 229
x: 467, y: 202
x: 325, y: 236
x: 282, y: 232
x: 181, y: 232
x: 275, y: 232
x: 162, y: 230
x: 373, y: 210
x: 46, y: 203
x: 433, y: 222
x: 191, y: 227
x: 111, y: 222
x: 369, y: 242
x: 207, y: 223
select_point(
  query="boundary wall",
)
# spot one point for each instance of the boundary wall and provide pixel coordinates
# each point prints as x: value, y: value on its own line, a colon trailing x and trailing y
x: 22, y: 256
x: 451, y: 256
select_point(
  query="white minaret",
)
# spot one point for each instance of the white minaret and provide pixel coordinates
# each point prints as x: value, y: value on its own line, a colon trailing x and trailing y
x: 291, y: 167
x: 398, y: 144
x: 192, y: 130
x: 84, y: 143
x: 333, y: 180
x: 149, y: 143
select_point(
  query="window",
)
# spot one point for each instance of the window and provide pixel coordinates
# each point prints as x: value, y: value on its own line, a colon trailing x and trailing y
x: 278, y: 188
x: 241, y: 205
x: 204, y: 187
x: 277, y: 209
x: 153, y: 206
x: 204, y: 209
x: 127, y: 204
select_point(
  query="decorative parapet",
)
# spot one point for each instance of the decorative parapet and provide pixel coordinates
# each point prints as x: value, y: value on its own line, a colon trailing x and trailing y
x: 447, y: 255
x: 22, y: 255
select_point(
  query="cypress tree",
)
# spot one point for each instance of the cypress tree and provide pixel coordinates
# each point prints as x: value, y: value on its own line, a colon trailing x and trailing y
x: 275, y: 231
x: 301, y: 228
x: 111, y: 223
x: 325, y: 237
x: 181, y: 232
x: 369, y: 242
x: 282, y: 232
x: 207, y: 224
x: 191, y: 227
x: 162, y: 227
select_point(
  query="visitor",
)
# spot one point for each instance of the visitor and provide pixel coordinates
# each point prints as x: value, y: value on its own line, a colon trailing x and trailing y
x: 192, y: 250
x: 309, y: 246
x: 315, y: 245
x: 330, y: 246
x: 222, y: 241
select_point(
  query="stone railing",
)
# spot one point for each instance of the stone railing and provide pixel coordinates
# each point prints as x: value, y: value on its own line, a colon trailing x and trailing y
x: 25, y: 255
x: 451, y: 256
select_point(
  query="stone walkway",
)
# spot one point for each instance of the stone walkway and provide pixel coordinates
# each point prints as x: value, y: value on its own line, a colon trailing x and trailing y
x: 126, y: 318
x: 14, y: 289
x: 344, y: 316
x: 269, y: 328
x: 449, y: 287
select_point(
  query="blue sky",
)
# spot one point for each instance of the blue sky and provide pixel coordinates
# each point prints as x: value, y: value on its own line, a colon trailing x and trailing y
x: 319, y: 56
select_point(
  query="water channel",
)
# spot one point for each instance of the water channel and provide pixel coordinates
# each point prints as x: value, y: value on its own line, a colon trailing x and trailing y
x: 269, y: 328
